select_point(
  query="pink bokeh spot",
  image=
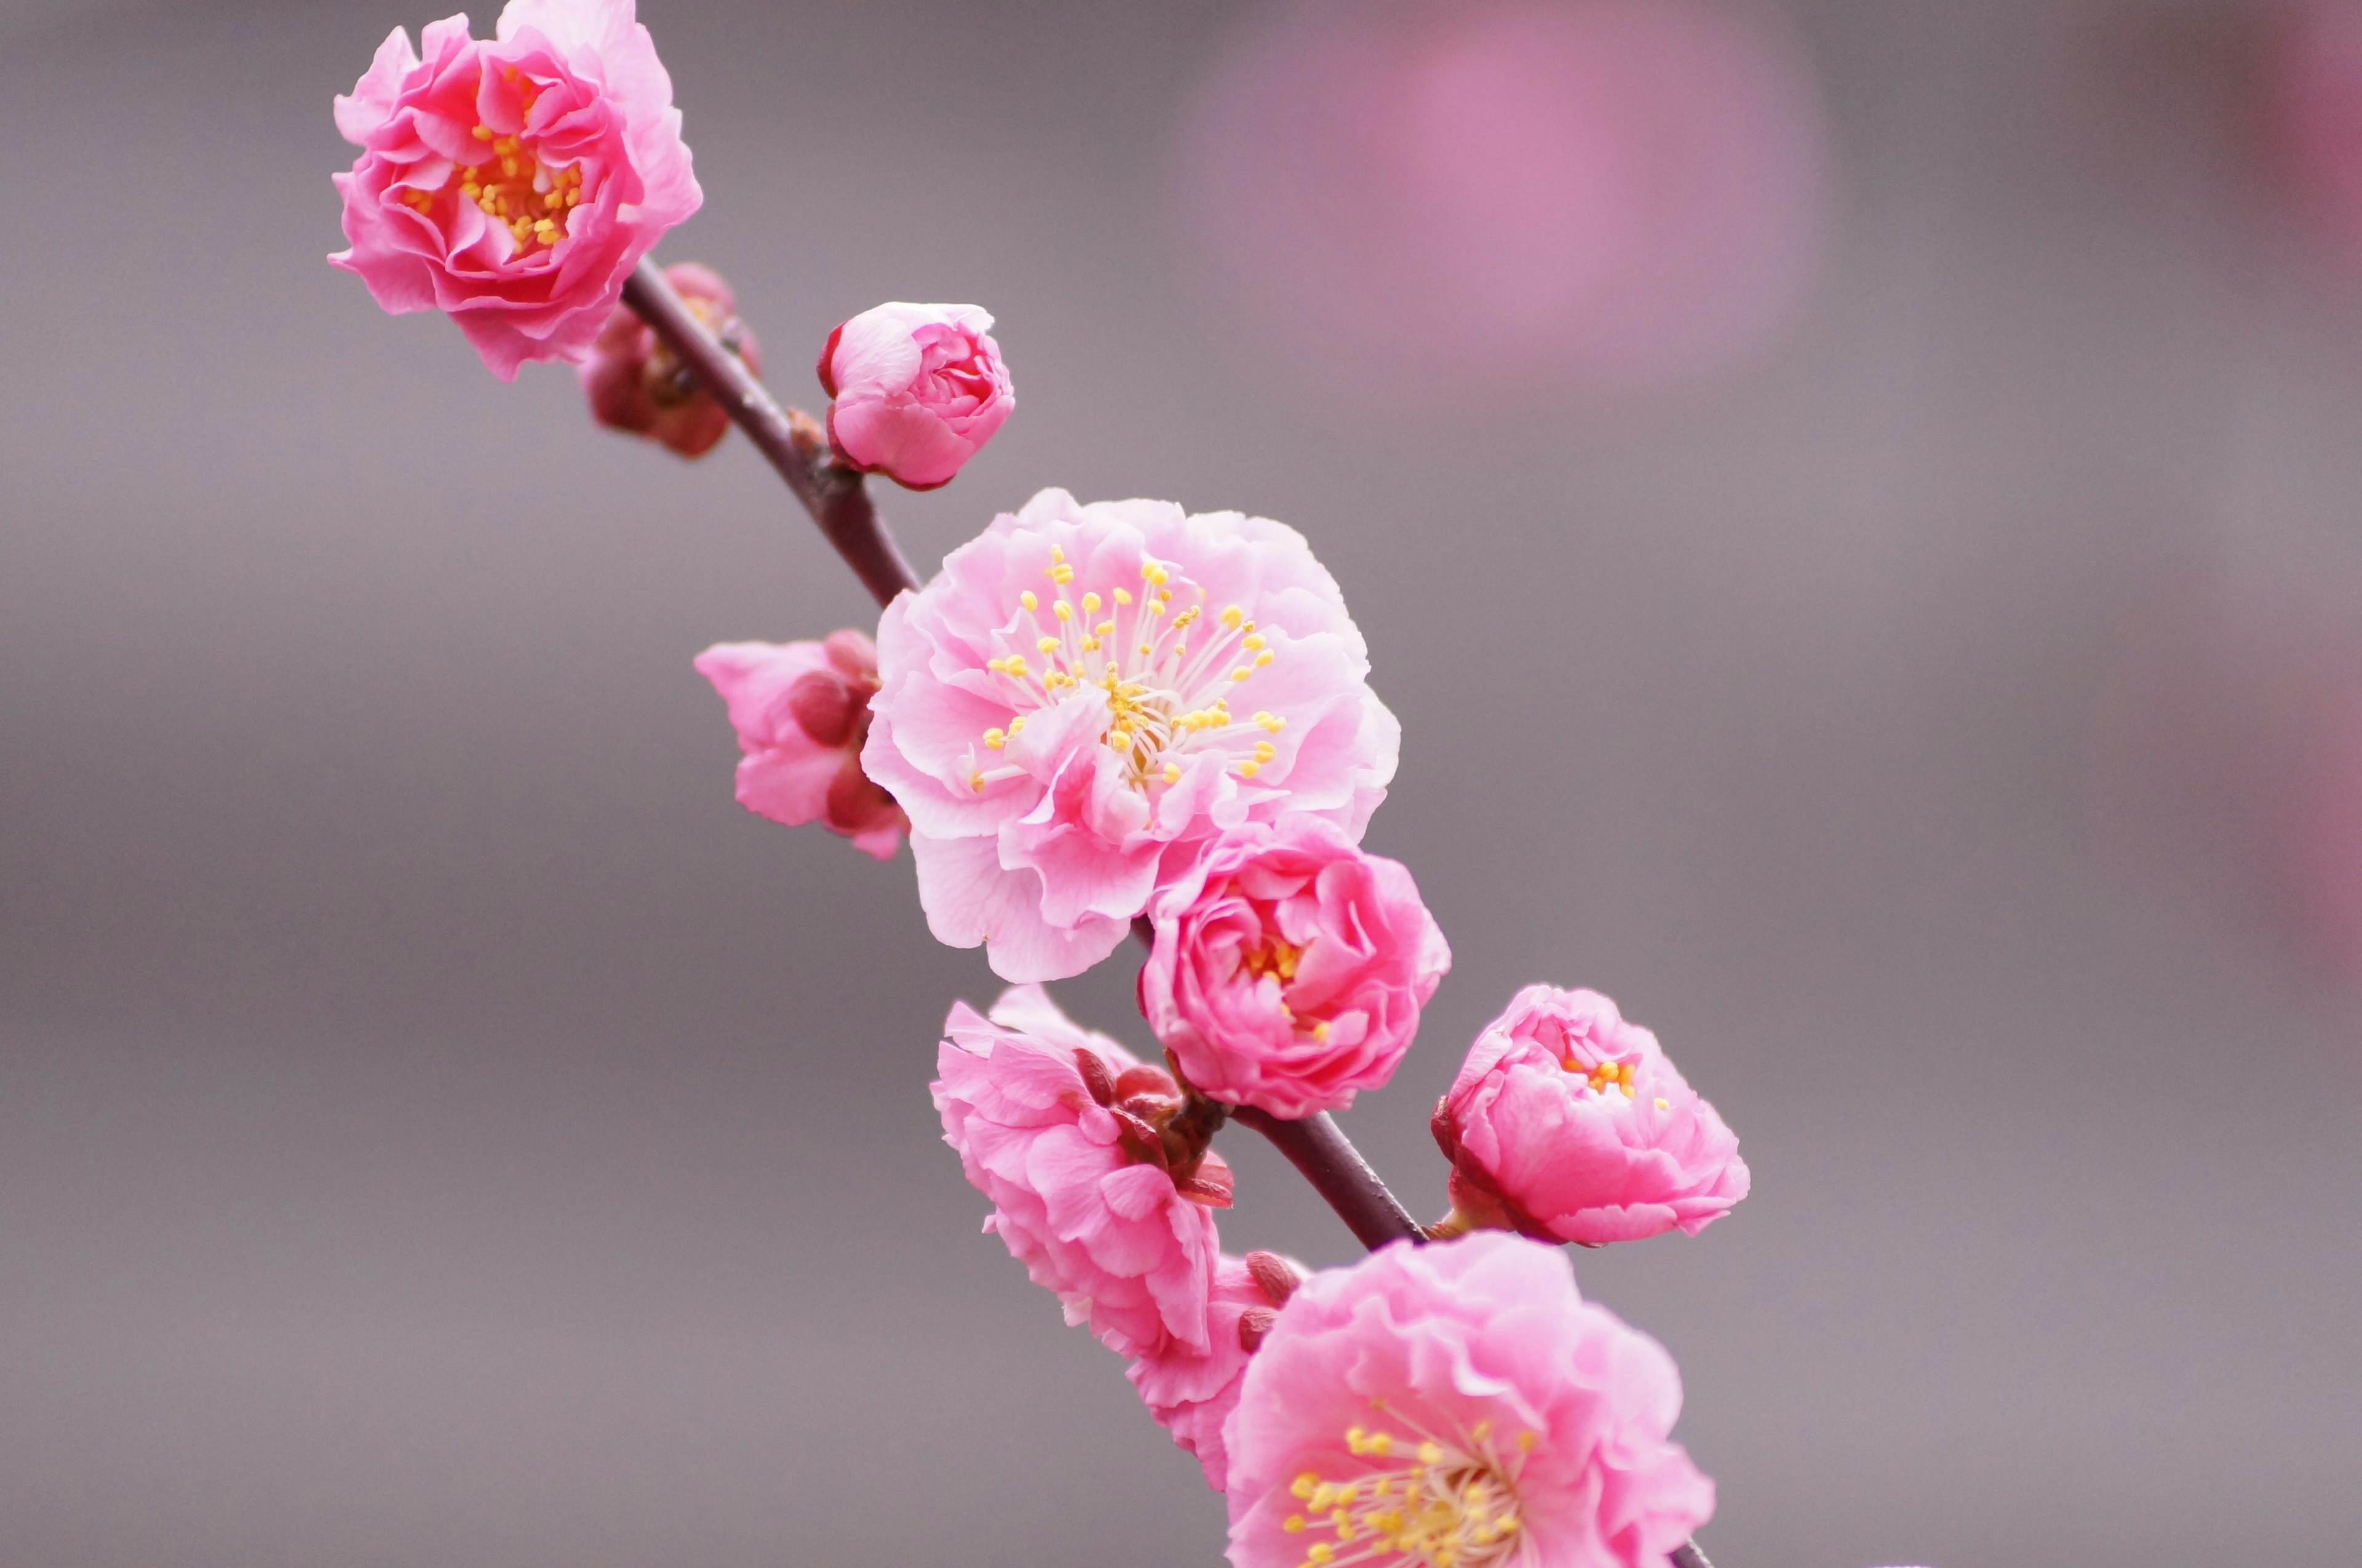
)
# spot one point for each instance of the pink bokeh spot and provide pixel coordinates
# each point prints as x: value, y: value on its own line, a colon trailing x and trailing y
x: 514, y: 183
x: 1529, y: 1427
x: 2316, y: 107
x: 1502, y: 198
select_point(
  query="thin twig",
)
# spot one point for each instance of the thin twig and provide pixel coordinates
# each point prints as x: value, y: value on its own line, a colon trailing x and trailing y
x: 836, y: 497
x: 1687, y: 1555
x: 1317, y: 1147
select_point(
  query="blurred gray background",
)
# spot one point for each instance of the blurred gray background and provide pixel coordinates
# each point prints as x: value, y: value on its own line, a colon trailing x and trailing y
x: 438, y: 1127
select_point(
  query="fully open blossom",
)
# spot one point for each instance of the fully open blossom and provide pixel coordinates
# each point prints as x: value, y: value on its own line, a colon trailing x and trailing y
x: 635, y: 383
x: 1061, y: 1128
x: 1289, y: 967
x: 514, y: 183
x: 1191, y: 1392
x: 1458, y: 1403
x: 801, y: 711
x: 916, y: 389
x: 1570, y: 1123
x: 1085, y: 694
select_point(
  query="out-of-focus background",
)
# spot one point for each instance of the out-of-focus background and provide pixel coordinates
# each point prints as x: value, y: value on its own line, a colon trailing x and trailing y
x: 1859, y: 508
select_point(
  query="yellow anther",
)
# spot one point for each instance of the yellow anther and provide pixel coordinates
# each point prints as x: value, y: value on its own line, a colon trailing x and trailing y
x: 1046, y: 644
x: 1030, y: 603
x: 1060, y: 573
x: 1249, y: 769
x: 1173, y: 773
x: 1240, y: 673
x: 1301, y: 1487
x: 1253, y: 643
x: 1382, y: 1443
x: 483, y: 133
x: 1144, y: 650
x: 975, y: 781
x: 1090, y: 645
x: 1324, y: 1497
x: 1525, y: 1442
x: 994, y: 739
x: 1481, y: 1430
x: 1430, y: 1453
x: 1090, y: 604
x: 1320, y: 1033
x: 1265, y: 751
x: 1628, y: 1091
x: 1663, y: 1104
x: 1231, y: 616
x: 1017, y: 724
x: 1065, y: 610
x: 1118, y: 740
x: 1265, y: 657
x: 1319, y: 1552
x: 1104, y: 629
x: 1122, y: 595
x: 1293, y: 1524
x: 1057, y: 552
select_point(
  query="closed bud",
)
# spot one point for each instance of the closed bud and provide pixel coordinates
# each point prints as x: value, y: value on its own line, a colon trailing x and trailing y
x: 917, y: 391
x: 637, y: 384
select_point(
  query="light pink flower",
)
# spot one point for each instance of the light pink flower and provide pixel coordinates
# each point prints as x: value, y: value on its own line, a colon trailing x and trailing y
x: 801, y: 711
x: 1057, y: 716
x: 1569, y: 1123
x: 514, y: 183
x: 1061, y: 1129
x: 635, y: 385
x: 1289, y: 967
x: 916, y: 389
x: 1460, y: 1404
x: 1191, y: 1392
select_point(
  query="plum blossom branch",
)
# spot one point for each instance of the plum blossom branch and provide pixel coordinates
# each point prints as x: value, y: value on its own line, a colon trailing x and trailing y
x: 836, y: 497
x: 1318, y: 1147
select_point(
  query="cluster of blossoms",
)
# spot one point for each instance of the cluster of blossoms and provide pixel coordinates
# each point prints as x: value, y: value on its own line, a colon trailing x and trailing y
x: 1097, y: 719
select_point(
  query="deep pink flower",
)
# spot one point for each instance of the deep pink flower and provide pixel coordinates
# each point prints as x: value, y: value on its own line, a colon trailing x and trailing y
x: 801, y: 711
x: 1191, y: 1392
x: 1569, y: 1123
x: 1460, y: 1403
x: 1057, y: 716
x: 1289, y: 967
x: 635, y: 385
x: 1060, y: 1127
x: 514, y: 183
x: 916, y: 389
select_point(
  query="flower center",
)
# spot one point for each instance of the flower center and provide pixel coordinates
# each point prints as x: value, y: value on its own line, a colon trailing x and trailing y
x: 1166, y: 702
x: 1453, y: 1505
x: 1272, y: 956
x: 511, y: 186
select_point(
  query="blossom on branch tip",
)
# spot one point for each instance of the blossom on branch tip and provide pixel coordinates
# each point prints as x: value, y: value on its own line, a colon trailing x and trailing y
x: 637, y: 384
x: 1191, y: 1392
x: 514, y: 181
x: 801, y: 711
x: 1458, y: 1403
x: 1086, y: 695
x: 1289, y: 967
x: 1568, y: 1124
x: 916, y: 391
x: 1094, y: 1188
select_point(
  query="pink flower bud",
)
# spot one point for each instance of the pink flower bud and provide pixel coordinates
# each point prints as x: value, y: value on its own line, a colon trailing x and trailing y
x: 1192, y: 1392
x: 919, y: 389
x: 514, y: 183
x: 1058, y: 1127
x: 1568, y: 1124
x: 1289, y: 967
x: 1458, y: 1403
x: 635, y: 385
x: 801, y: 711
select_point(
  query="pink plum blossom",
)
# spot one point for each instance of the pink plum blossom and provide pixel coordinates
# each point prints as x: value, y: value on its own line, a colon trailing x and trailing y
x: 1458, y: 1403
x: 801, y: 711
x: 1569, y: 1123
x: 635, y: 385
x: 1192, y: 1392
x: 1501, y: 200
x: 514, y: 183
x: 1059, y: 1127
x: 1289, y: 967
x: 1085, y: 695
x: 917, y: 391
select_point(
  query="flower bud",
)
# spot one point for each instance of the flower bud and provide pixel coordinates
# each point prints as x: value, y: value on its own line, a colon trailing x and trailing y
x: 1569, y: 1124
x: 801, y: 711
x: 637, y: 384
x: 918, y: 389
